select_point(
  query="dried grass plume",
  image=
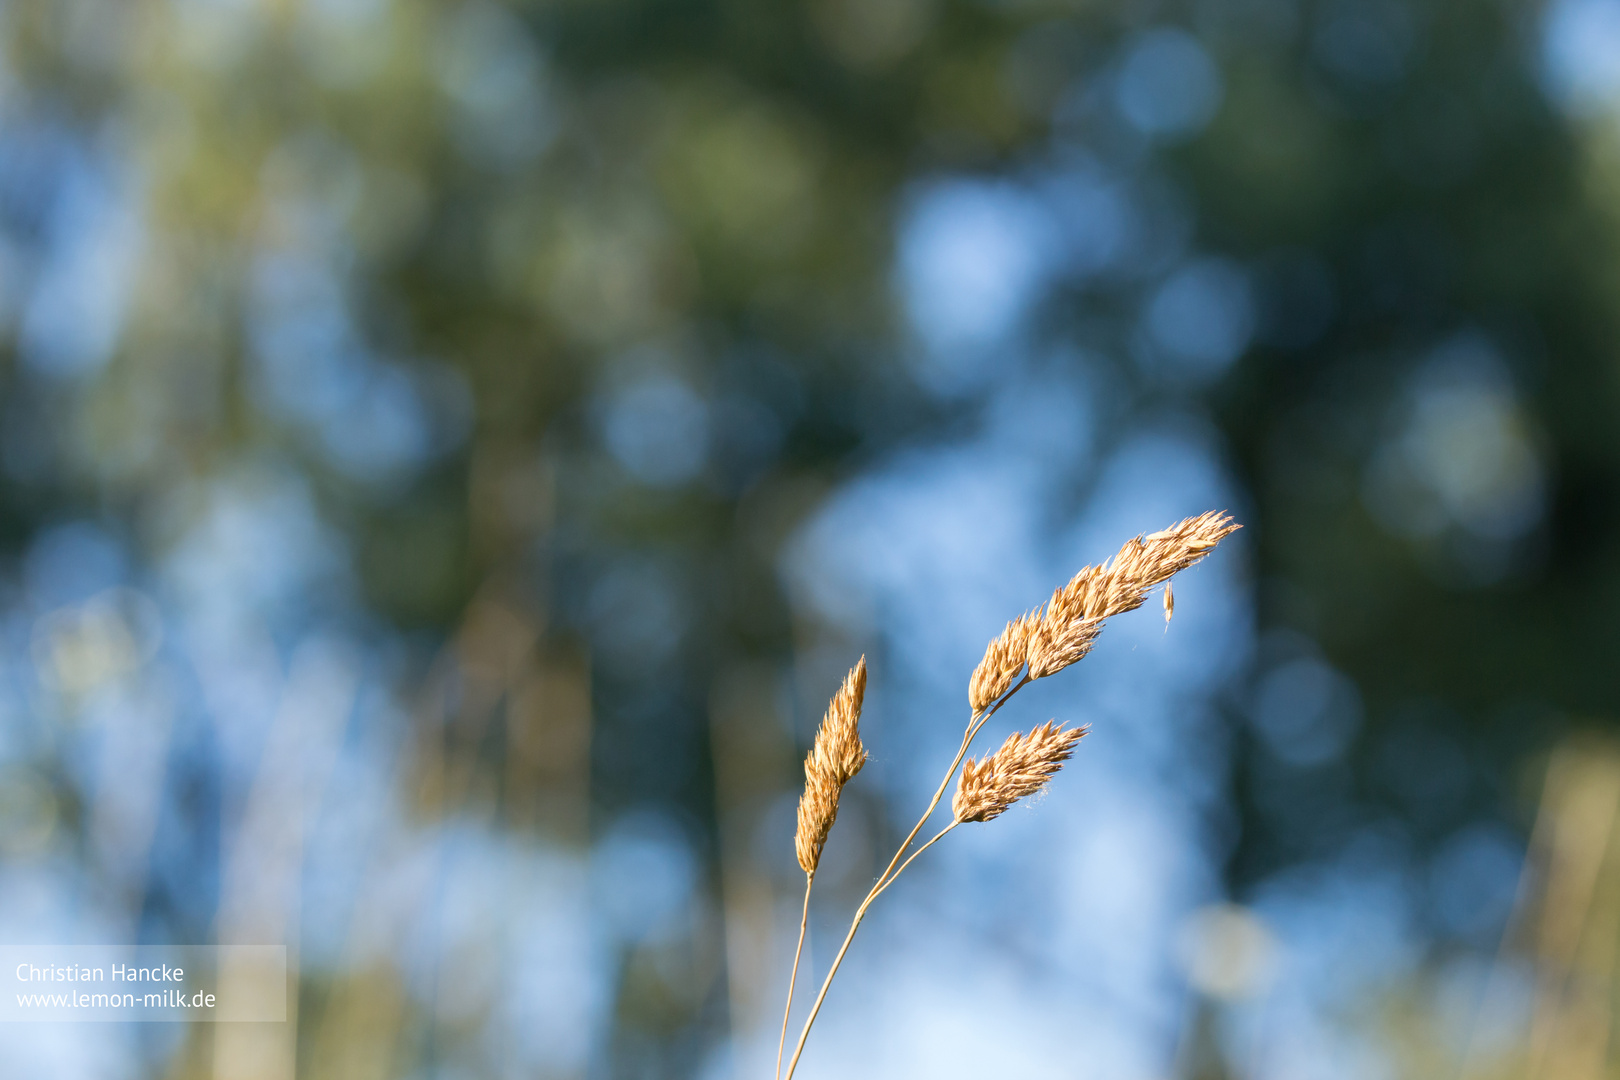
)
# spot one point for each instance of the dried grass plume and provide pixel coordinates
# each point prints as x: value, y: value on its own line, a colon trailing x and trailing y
x: 1052, y: 637
x: 1021, y: 767
x: 834, y: 759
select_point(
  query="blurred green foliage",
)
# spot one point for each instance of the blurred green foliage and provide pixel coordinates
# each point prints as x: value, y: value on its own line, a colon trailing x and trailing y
x: 526, y: 208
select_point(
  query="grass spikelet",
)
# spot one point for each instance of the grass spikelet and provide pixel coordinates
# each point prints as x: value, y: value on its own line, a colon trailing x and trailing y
x: 1021, y: 767
x: 1073, y: 617
x: 834, y: 759
x: 1004, y: 660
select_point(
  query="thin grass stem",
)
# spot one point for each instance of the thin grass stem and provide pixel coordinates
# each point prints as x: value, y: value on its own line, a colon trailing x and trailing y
x: 936, y: 839
x: 804, y: 921
x: 975, y: 724
x: 860, y: 913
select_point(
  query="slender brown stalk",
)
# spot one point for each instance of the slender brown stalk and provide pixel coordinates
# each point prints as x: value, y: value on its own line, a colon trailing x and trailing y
x: 1020, y: 768
x: 798, y: 951
x: 976, y: 722
x: 937, y: 837
x: 860, y: 913
x: 890, y: 873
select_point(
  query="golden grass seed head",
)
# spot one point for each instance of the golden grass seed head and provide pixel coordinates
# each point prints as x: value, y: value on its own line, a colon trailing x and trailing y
x: 1056, y: 644
x: 818, y: 809
x: 1021, y: 767
x: 1074, y: 615
x: 1004, y: 660
x: 835, y: 757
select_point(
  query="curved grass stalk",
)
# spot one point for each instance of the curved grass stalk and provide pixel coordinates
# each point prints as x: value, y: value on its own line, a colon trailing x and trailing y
x: 890, y: 873
x: 787, y: 1010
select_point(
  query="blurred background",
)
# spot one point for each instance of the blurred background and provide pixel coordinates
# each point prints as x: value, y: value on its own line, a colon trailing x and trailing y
x: 451, y: 451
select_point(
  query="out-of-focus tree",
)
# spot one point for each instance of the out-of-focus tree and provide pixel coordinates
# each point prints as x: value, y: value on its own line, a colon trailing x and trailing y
x: 514, y: 340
